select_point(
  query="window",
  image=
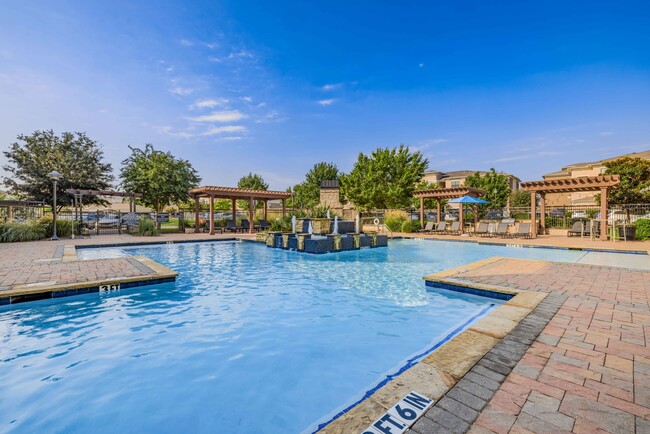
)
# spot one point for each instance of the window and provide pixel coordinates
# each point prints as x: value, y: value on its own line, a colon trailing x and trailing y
x: 455, y: 184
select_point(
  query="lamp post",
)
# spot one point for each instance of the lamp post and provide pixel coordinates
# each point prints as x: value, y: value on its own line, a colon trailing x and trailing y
x: 54, y: 176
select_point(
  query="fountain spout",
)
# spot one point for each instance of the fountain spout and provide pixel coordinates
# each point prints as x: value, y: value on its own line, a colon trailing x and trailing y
x: 310, y: 229
x: 357, y: 227
x: 335, y: 230
x: 293, y: 224
x: 328, y: 213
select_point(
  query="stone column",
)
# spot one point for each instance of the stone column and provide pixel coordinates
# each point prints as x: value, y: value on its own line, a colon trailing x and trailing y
x: 439, y: 213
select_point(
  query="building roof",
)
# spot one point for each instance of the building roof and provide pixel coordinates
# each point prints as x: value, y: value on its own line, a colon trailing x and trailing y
x: 237, y: 193
x: 567, y: 169
x: 461, y: 173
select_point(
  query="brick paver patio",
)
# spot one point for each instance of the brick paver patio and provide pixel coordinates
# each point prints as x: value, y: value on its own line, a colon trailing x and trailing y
x: 589, y: 369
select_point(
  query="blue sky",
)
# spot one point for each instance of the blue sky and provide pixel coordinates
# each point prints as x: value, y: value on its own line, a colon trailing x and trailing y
x: 274, y: 87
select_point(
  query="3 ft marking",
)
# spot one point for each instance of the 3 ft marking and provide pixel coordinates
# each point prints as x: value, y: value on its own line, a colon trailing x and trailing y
x: 109, y: 288
x: 400, y: 417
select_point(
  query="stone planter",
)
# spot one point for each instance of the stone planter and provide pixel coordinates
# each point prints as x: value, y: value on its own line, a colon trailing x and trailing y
x: 321, y: 226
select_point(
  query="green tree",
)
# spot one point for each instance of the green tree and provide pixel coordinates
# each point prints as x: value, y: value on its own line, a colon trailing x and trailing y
x: 385, y: 179
x: 254, y: 182
x: 635, y: 181
x: 520, y: 199
x: 78, y: 158
x: 495, y: 185
x: 162, y: 179
x: 307, y: 193
x: 428, y: 203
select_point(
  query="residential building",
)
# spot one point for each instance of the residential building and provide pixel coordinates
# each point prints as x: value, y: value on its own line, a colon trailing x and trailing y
x: 579, y: 170
x: 458, y: 177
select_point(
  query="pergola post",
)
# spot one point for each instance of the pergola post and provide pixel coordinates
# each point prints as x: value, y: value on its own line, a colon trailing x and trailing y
x: 266, y: 208
x: 251, y: 215
x: 422, y: 213
x: 284, y: 207
x: 196, y: 214
x: 212, y: 214
x: 475, y: 216
x: 439, y: 212
x: 542, y: 212
x: 603, y: 214
x: 533, y: 214
x: 234, y: 211
x: 461, y: 219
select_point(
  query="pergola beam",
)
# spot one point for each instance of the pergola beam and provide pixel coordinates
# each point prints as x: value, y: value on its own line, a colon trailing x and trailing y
x: 446, y: 193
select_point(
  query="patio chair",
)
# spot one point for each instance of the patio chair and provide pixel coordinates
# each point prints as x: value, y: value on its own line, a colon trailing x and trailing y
x: 246, y: 226
x: 440, y: 228
x: 454, y: 229
x: 523, y: 231
x: 576, y: 230
x: 232, y: 227
x: 264, y: 226
x: 482, y: 229
x: 427, y: 228
x: 502, y: 230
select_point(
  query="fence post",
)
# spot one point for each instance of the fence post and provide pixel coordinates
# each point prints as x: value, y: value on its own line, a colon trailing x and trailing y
x: 119, y: 222
x: 97, y: 222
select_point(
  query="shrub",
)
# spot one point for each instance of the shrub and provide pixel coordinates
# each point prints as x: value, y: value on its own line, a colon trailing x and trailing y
x: 642, y: 229
x: 395, y: 219
x: 18, y: 231
x: 281, y: 224
x: 320, y: 212
x: 147, y: 227
x: 63, y: 227
x: 411, y: 226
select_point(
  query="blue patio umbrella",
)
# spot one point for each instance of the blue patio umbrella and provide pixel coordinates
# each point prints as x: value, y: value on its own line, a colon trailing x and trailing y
x: 469, y: 200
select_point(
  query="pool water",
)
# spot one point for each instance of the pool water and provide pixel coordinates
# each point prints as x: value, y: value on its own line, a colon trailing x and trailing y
x: 248, y: 340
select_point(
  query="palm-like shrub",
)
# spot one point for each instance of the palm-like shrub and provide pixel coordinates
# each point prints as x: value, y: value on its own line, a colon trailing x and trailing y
x: 395, y: 219
x: 147, y: 227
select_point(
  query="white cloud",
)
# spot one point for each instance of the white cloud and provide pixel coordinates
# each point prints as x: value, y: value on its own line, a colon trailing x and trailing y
x: 247, y: 98
x: 272, y: 116
x: 181, y: 90
x: 240, y: 54
x: 230, y: 139
x: 186, y: 43
x: 333, y: 86
x: 225, y: 129
x: 166, y: 129
x: 527, y: 157
x: 223, y: 116
x: 325, y: 102
x: 208, y: 103
x: 262, y: 104
x: 421, y: 65
x: 606, y: 133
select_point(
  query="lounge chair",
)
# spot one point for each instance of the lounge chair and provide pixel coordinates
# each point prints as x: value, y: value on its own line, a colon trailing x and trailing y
x: 502, y: 230
x: 246, y: 226
x: 454, y: 229
x: 230, y: 226
x: 482, y: 229
x: 523, y: 231
x: 576, y: 230
x: 440, y: 228
x: 263, y: 225
x: 427, y: 228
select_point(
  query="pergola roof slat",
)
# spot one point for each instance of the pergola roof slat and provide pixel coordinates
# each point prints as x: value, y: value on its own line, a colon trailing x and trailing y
x: 237, y: 193
x: 567, y: 185
x: 449, y: 193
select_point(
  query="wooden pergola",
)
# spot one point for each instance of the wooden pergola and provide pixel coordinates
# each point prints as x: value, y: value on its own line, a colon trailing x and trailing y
x: 448, y: 193
x: 601, y: 183
x: 235, y: 194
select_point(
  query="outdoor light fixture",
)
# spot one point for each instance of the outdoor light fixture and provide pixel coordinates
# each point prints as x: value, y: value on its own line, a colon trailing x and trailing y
x: 54, y: 176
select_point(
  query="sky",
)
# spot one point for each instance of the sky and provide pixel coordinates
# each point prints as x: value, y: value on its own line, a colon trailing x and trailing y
x: 274, y: 87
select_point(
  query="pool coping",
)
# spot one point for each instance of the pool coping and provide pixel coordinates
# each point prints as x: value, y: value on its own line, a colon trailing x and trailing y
x: 438, y: 372
x: 153, y: 274
x: 526, y: 246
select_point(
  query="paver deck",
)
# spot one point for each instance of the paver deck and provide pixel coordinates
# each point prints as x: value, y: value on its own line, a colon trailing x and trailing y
x: 589, y: 369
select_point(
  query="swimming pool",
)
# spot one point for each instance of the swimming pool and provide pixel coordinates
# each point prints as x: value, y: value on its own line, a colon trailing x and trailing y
x: 249, y: 339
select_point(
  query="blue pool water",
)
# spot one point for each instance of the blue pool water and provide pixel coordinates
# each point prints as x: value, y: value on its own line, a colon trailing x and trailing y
x: 248, y: 340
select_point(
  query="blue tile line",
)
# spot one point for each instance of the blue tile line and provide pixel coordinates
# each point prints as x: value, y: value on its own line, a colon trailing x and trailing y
x: 409, y: 364
x: 528, y: 246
